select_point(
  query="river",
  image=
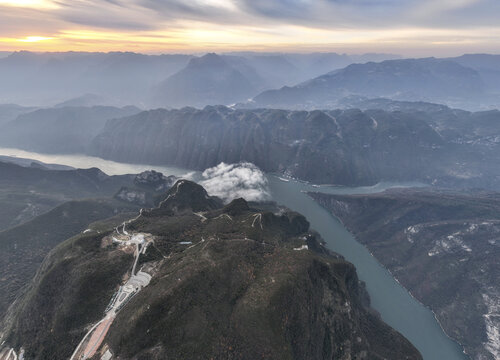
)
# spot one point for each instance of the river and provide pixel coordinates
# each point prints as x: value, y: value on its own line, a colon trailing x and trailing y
x: 396, y: 306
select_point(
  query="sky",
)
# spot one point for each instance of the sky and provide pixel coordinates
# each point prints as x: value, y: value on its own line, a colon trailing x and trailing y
x: 406, y: 27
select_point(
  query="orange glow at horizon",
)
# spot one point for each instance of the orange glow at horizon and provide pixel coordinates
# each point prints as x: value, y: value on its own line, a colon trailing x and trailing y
x: 34, y: 39
x: 37, y: 4
x: 426, y: 28
x: 201, y: 37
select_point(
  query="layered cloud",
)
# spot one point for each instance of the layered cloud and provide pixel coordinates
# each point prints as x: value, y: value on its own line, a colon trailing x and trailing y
x: 232, y: 181
x: 255, y: 24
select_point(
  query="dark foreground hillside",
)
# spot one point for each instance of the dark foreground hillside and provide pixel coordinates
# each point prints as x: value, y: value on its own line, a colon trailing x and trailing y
x: 40, y: 208
x: 23, y: 248
x: 443, y: 247
x: 228, y: 282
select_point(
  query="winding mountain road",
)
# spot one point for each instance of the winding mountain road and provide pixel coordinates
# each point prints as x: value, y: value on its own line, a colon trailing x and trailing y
x: 94, y: 338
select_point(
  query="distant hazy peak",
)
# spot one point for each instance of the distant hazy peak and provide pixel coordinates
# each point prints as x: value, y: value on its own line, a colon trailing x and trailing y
x: 208, y: 60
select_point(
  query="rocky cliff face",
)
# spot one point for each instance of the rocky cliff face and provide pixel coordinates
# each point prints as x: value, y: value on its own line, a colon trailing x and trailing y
x: 418, y: 142
x: 443, y: 247
x: 340, y: 147
x: 406, y: 141
x: 230, y: 282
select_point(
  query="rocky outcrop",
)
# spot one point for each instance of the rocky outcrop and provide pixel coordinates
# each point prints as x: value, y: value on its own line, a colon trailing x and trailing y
x: 154, y: 180
x: 148, y: 187
x: 185, y: 196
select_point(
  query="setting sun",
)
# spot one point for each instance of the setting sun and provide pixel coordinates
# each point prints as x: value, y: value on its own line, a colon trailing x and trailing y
x: 28, y: 3
x: 30, y: 39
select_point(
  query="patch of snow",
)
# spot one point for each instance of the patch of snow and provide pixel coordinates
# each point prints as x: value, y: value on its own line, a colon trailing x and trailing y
x: 492, y: 241
x: 298, y: 142
x: 492, y: 322
x: 472, y: 228
x: 303, y: 247
x: 449, y: 244
x: 433, y: 252
x: 87, y: 231
x: 411, y: 230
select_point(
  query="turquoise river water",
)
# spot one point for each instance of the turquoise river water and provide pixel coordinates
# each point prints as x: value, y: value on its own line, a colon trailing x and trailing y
x: 395, y: 305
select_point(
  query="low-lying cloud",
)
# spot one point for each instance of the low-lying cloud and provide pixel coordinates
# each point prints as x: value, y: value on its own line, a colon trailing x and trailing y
x: 232, y: 181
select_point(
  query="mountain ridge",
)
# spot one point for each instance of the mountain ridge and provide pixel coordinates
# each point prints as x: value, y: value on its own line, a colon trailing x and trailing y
x: 221, y: 286
x: 425, y: 79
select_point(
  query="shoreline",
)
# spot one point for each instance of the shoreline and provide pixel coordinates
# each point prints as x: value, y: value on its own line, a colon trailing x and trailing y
x: 395, y: 278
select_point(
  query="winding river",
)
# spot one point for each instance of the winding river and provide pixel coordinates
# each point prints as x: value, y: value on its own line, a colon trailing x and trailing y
x: 396, y: 306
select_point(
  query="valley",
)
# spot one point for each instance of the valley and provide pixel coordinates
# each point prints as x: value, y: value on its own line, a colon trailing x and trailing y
x: 397, y: 308
x: 442, y: 246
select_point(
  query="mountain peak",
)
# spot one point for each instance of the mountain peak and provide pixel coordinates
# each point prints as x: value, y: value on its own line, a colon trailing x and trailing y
x: 206, y: 80
x: 186, y: 195
x: 236, y: 207
x: 210, y: 60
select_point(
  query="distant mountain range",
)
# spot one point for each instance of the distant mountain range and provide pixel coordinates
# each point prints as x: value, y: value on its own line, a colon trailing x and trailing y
x: 488, y: 66
x: 443, y: 81
x: 86, y: 100
x: 9, y: 112
x: 43, y: 79
x: 60, y: 129
x: 46, y: 79
x: 291, y: 81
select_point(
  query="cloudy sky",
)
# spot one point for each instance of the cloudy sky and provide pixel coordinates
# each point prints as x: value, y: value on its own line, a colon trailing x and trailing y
x: 408, y: 27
